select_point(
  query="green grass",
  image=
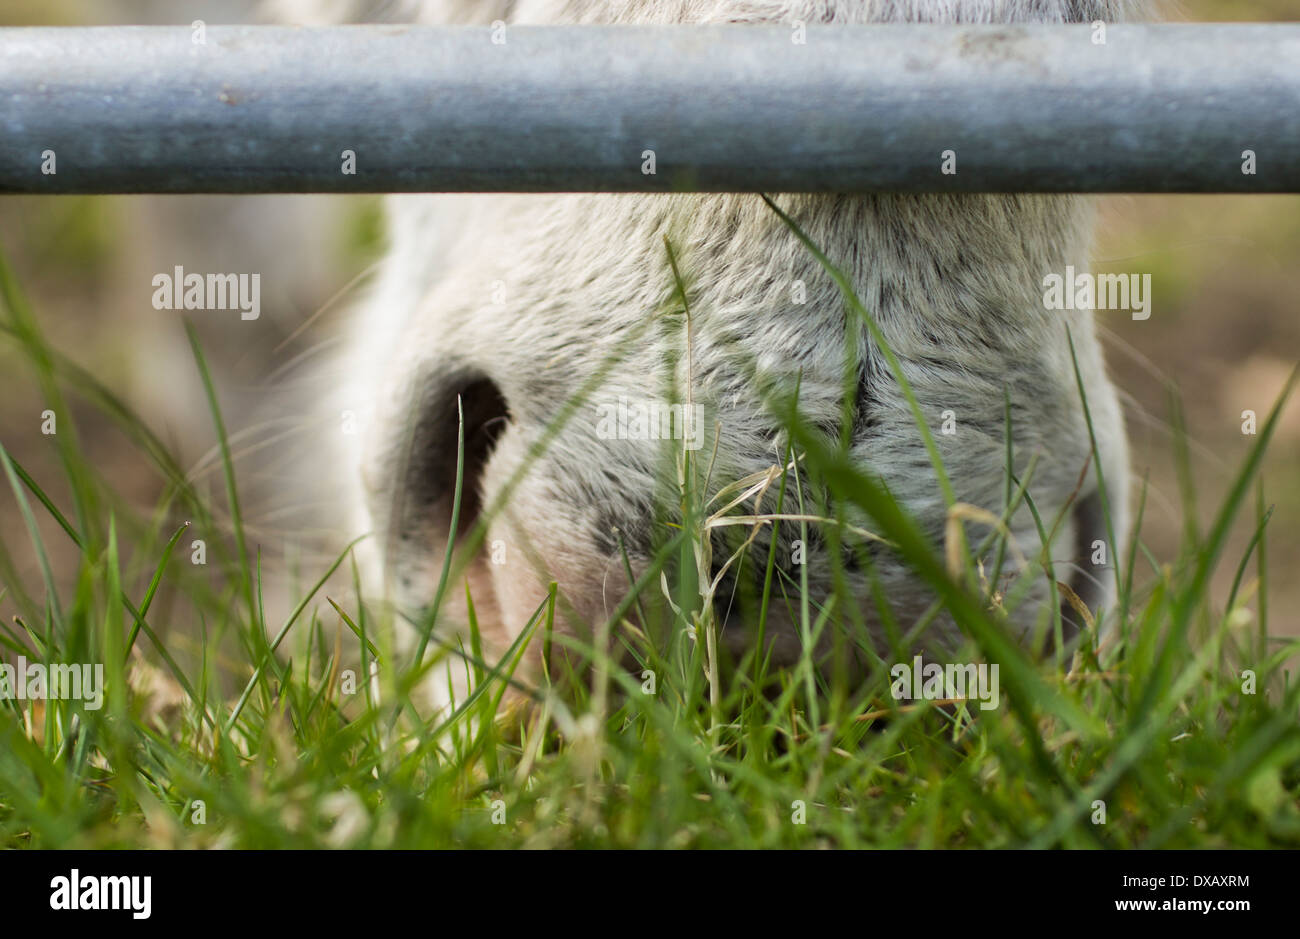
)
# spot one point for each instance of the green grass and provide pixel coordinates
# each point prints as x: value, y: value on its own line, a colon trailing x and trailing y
x: 1148, y: 715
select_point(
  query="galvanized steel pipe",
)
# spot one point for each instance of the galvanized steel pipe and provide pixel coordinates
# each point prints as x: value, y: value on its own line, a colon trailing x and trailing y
x: 1166, y: 108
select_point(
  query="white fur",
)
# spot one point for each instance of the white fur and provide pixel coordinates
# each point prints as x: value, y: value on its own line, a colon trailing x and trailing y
x: 954, y: 282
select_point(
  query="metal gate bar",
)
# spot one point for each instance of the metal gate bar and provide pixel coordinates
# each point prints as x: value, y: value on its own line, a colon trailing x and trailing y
x: 1167, y: 108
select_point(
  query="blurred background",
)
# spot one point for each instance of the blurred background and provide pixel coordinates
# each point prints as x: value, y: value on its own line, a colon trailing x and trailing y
x: 1223, y: 334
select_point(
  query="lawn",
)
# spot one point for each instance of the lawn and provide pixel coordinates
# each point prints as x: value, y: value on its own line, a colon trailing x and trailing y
x: 1172, y: 724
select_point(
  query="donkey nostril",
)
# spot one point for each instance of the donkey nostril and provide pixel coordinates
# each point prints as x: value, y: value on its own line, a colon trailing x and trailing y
x: 1088, y: 582
x: 486, y: 417
x: 426, y: 491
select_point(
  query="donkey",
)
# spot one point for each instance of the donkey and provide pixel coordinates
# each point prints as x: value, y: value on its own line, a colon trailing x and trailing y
x: 491, y: 312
